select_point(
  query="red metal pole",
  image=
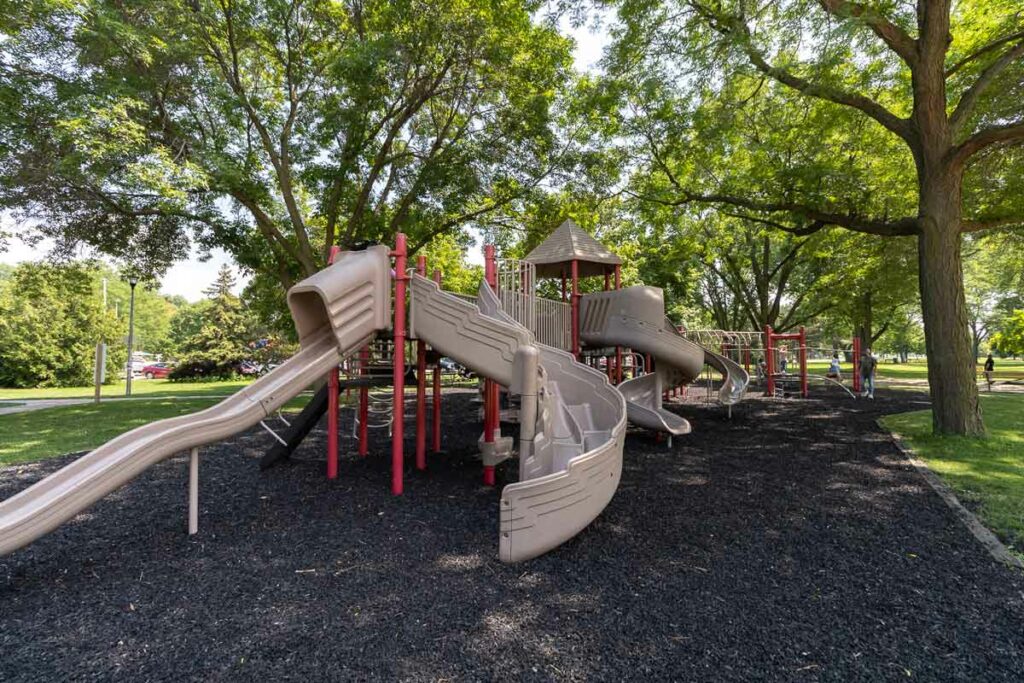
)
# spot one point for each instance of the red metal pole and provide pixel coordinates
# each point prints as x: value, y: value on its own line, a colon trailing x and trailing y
x: 618, y: 349
x: 332, y: 406
x: 803, y: 362
x: 364, y: 403
x: 575, y: 308
x: 421, y: 387
x: 398, y: 375
x: 856, y: 363
x: 436, y: 423
x: 769, y: 362
x: 491, y: 398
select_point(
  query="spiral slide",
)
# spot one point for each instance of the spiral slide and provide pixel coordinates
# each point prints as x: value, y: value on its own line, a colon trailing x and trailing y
x: 336, y: 311
x: 634, y: 317
x: 572, y: 421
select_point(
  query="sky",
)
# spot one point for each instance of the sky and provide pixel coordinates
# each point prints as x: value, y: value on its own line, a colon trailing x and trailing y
x: 189, y: 278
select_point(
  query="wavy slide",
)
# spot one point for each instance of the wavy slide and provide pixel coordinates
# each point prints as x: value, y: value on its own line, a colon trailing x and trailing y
x: 336, y: 311
x: 572, y: 424
x: 634, y: 317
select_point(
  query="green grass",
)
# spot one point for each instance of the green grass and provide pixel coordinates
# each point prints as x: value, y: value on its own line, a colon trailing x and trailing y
x: 986, y: 473
x: 916, y: 369
x: 153, y: 388
x: 55, y: 431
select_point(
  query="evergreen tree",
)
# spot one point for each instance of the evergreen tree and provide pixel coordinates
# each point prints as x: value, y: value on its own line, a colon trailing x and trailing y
x: 224, y: 332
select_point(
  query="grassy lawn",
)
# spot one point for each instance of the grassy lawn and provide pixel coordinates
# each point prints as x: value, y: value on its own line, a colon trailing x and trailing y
x: 988, y: 473
x: 140, y: 387
x: 46, y: 433
x: 915, y: 369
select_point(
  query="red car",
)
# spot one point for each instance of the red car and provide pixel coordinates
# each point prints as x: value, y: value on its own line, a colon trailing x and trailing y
x: 157, y: 370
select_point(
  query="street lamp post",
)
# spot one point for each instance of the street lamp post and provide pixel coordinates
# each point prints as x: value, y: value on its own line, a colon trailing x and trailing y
x: 131, y: 333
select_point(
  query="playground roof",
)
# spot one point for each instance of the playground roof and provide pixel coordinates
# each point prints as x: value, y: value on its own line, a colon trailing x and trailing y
x: 569, y: 242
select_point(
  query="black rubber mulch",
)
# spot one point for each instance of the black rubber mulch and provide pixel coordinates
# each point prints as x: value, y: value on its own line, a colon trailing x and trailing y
x: 789, y: 543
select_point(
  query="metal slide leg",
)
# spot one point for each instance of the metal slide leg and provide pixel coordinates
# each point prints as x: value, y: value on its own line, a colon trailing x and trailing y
x: 193, y: 492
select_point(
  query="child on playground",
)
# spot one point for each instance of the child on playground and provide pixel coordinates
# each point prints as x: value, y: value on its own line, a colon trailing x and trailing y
x: 834, y: 371
x: 868, y: 365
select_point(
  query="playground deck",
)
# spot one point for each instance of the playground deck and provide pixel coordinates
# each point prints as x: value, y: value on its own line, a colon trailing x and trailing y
x: 791, y: 542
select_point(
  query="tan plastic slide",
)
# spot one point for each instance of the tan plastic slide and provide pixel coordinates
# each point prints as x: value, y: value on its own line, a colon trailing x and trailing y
x: 572, y: 421
x: 336, y: 311
x: 634, y: 317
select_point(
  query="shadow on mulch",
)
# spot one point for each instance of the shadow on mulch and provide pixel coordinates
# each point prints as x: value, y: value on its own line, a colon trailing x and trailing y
x: 790, y: 542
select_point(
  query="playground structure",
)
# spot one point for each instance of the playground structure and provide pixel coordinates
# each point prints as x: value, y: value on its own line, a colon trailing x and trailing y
x: 351, y: 323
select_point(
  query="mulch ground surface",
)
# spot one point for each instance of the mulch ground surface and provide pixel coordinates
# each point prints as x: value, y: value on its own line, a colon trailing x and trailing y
x: 791, y: 542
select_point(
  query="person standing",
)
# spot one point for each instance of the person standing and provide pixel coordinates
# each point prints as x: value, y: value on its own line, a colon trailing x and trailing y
x: 990, y: 367
x: 868, y: 365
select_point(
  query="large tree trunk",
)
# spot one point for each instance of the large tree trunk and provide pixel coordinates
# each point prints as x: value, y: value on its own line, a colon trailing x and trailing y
x: 954, y: 393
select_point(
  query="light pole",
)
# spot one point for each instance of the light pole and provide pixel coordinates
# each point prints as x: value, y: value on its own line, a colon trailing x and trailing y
x: 131, y: 333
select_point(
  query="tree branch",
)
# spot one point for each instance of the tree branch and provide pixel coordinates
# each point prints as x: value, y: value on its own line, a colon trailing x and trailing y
x: 1010, y: 133
x: 970, y: 96
x: 995, y: 44
x: 900, y: 227
x: 735, y: 26
x: 979, y: 225
x: 895, y: 37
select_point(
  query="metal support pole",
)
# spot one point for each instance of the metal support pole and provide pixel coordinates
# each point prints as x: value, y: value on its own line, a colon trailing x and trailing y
x: 193, y: 492
x: 364, y: 403
x: 436, y: 422
x: 398, y: 407
x: 575, y: 308
x: 769, y: 362
x: 491, y: 417
x: 618, y: 349
x: 856, y: 363
x: 332, y: 407
x: 131, y: 336
x: 803, y: 362
x: 421, y: 387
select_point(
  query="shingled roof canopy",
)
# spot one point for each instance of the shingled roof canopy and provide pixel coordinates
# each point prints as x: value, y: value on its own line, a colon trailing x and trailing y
x: 568, y: 243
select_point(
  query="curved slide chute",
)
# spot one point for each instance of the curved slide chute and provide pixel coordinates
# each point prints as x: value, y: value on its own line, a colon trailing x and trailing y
x: 572, y: 421
x: 634, y: 317
x: 336, y: 311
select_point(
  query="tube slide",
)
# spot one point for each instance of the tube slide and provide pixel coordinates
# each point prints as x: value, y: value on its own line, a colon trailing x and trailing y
x: 572, y: 426
x: 635, y: 318
x: 336, y: 311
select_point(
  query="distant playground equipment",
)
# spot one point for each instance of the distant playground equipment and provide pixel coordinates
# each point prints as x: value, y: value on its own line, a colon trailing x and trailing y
x: 351, y: 322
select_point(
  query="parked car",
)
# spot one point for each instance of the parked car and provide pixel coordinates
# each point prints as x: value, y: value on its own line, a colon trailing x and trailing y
x: 157, y: 370
x: 249, y: 368
x: 448, y: 365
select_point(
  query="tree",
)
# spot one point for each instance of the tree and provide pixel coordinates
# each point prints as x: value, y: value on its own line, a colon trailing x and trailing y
x: 224, y: 336
x: 275, y: 128
x: 943, y: 85
x: 1009, y: 340
x: 51, y: 318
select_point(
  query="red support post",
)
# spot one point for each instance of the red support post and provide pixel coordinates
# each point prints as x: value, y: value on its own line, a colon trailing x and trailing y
x: 398, y: 407
x: 618, y: 349
x: 491, y: 397
x: 436, y: 422
x: 769, y: 361
x: 364, y: 403
x: 803, y: 362
x: 332, y: 406
x: 421, y: 387
x: 575, y: 308
x: 856, y: 364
